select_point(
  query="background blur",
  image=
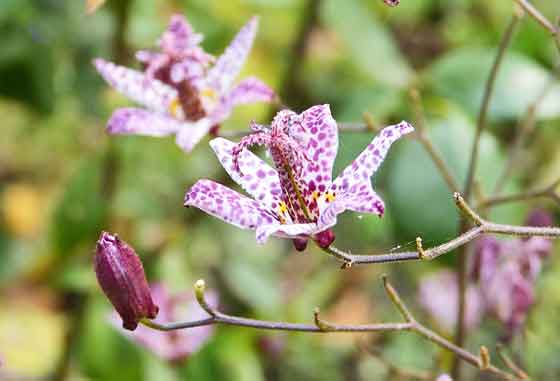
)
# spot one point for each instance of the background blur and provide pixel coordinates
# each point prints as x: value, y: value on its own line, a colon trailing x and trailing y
x: 63, y: 180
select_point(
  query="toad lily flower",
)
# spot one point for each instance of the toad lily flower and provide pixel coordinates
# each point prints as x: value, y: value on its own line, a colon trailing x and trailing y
x: 182, y: 92
x: 297, y: 199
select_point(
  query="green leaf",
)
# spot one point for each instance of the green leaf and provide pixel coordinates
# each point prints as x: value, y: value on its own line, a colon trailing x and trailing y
x: 230, y: 355
x: 461, y: 76
x: 417, y: 197
x: 369, y: 43
x: 103, y: 352
x: 82, y: 209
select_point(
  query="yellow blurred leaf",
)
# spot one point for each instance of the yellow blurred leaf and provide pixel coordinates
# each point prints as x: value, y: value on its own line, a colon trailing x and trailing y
x: 31, y: 338
x: 23, y: 207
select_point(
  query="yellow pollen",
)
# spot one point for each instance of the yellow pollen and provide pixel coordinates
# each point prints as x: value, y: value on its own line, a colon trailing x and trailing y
x: 174, y: 107
x: 315, y: 195
x: 282, y: 208
x: 208, y: 93
x: 330, y: 197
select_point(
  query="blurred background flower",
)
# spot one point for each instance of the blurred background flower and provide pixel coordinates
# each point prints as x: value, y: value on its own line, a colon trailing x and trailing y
x: 174, y: 346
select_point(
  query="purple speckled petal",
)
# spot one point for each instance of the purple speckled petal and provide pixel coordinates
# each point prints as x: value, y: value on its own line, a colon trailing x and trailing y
x: 187, y: 69
x: 229, y: 206
x: 148, y: 92
x: 286, y: 231
x: 192, y: 133
x: 179, y: 37
x: 229, y: 64
x: 255, y: 176
x: 251, y: 90
x: 319, y: 136
x: 360, y: 171
x: 147, y: 56
x: 364, y: 200
x: 135, y: 121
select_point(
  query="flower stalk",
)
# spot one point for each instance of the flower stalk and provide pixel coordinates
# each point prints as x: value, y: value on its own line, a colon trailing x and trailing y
x: 321, y: 326
x: 481, y: 227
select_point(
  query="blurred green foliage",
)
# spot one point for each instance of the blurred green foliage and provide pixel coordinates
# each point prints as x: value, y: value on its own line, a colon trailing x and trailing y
x: 63, y: 180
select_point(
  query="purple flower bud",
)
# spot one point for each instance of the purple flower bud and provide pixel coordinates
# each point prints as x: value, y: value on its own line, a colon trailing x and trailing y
x: 539, y: 217
x: 300, y: 243
x: 325, y: 238
x: 121, y: 276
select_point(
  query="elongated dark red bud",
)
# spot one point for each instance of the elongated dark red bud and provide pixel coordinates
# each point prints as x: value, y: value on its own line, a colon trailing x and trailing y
x: 121, y: 277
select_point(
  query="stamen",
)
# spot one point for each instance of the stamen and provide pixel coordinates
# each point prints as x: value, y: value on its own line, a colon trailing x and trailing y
x: 299, y: 195
x: 330, y: 197
x: 208, y: 93
x: 175, y: 108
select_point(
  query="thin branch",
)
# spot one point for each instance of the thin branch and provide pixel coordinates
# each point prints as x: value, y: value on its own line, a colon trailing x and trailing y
x: 321, y: 326
x: 423, y: 138
x: 525, y: 128
x: 488, y: 90
x: 548, y: 191
x: 540, y: 18
x: 370, y: 123
x: 482, y: 226
x: 511, y: 364
x: 396, y: 299
x: 470, y: 181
